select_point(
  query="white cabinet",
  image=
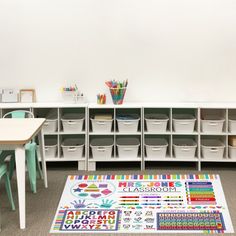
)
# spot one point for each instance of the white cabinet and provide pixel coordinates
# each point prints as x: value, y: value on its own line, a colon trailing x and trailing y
x: 138, y: 133
x: 179, y: 138
x: 115, y: 134
x: 56, y: 134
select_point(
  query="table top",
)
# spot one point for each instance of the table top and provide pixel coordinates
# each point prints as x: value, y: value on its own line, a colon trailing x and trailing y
x: 19, y: 131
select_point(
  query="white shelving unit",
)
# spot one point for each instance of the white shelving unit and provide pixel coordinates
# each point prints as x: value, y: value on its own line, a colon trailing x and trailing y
x: 227, y: 111
x: 42, y: 110
x: 170, y: 134
x: 115, y: 111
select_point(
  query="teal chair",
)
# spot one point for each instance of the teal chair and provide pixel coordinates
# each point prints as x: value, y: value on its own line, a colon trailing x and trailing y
x: 4, y: 173
x: 30, y: 152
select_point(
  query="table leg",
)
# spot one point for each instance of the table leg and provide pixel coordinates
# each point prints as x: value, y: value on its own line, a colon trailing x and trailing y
x: 20, y: 173
x: 42, y: 154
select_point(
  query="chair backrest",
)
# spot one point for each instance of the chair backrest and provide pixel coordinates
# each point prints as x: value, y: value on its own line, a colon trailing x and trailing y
x: 19, y: 114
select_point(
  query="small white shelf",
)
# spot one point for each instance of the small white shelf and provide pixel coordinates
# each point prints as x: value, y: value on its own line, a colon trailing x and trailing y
x: 56, y: 159
x: 130, y: 134
x: 185, y: 133
x: 185, y: 159
x: 97, y: 133
x: 62, y: 132
x: 116, y: 159
x: 53, y: 133
x: 218, y: 160
x: 171, y: 159
x: 213, y: 134
x: 161, y: 133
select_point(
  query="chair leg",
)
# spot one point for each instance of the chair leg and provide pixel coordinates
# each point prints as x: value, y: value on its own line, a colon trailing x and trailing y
x: 38, y: 166
x: 31, y: 165
x: 9, y: 192
x: 11, y: 166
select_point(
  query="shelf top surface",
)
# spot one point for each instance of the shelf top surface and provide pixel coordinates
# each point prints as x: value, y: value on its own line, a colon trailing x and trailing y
x: 42, y: 105
x: 125, y: 105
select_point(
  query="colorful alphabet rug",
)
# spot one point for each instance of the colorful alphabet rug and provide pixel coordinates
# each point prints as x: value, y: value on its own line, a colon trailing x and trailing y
x: 142, y: 204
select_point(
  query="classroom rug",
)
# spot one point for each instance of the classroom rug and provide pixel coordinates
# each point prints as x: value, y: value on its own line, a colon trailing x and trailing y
x: 142, y: 204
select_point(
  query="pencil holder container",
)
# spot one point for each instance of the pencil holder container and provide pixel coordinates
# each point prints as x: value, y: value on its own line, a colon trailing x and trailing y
x: 101, y: 99
x: 117, y: 95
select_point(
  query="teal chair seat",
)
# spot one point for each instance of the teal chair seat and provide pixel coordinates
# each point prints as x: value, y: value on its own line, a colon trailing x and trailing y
x: 4, y: 173
x: 30, y: 153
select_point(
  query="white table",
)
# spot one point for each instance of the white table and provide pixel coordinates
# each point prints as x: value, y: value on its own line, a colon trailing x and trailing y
x: 14, y: 134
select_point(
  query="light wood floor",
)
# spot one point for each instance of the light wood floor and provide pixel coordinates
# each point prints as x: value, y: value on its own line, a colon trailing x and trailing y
x: 41, y: 207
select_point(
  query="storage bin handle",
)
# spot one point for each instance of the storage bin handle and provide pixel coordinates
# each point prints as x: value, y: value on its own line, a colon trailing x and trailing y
x: 101, y: 122
x: 101, y: 149
x: 71, y: 149
x: 213, y: 123
x: 184, y: 123
x: 46, y: 123
x: 71, y: 122
x: 156, y: 149
x: 128, y: 149
x: 214, y: 150
x: 186, y: 149
x: 46, y: 148
x: 127, y: 123
x: 156, y: 122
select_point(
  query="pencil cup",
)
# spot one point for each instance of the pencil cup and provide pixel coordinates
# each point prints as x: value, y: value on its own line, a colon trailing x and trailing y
x: 117, y: 95
x: 101, y: 98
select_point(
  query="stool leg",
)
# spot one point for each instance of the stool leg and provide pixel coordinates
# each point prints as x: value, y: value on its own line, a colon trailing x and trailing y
x: 9, y: 192
x: 38, y: 166
x: 11, y: 166
x: 31, y: 165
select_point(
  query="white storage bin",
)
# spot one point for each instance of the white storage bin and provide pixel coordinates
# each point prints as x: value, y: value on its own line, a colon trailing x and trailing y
x: 101, y: 125
x: 50, y: 148
x: 102, y: 148
x: 183, y: 123
x: 232, y: 124
x: 73, y: 122
x: 128, y: 123
x: 128, y: 147
x: 73, y: 148
x: 212, y: 149
x: 232, y: 152
x: 156, y: 123
x: 184, y: 148
x: 50, y: 126
x: 212, y: 124
x: 156, y: 147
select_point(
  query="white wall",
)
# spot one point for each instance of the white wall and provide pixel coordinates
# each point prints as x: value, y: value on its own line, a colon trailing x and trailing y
x: 170, y: 50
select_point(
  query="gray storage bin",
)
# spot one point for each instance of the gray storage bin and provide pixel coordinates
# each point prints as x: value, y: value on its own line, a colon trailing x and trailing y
x: 212, y: 124
x: 232, y: 152
x: 72, y: 122
x: 156, y: 147
x: 73, y: 148
x: 128, y: 123
x: 50, y: 125
x: 50, y: 147
x: 102, y: 123
x: 156, y: 123
x: 212, y: 149
x: 102, y: 147
x: 183, y: 123
x: 232, y: 124
x: 184, y: 148
x: 127, y: 147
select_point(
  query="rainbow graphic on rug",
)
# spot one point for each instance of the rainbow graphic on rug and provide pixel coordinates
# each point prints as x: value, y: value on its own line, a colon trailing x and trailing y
x: 142, y: 204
